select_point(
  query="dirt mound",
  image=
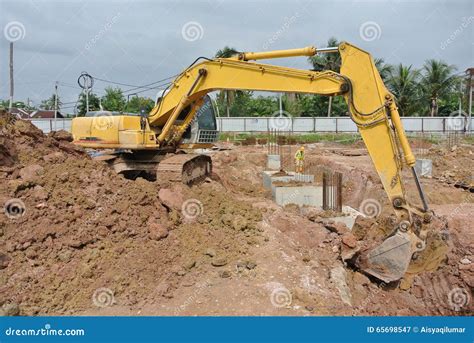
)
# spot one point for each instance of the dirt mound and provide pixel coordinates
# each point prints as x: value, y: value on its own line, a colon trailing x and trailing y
x: 78, y: 239
x: 75, y: 232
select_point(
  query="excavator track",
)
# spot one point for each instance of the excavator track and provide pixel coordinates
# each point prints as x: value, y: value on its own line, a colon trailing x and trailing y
x: 185, y: 168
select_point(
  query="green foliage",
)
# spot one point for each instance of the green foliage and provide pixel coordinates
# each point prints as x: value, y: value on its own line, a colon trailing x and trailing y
x: 94, y: 103
x: 437, y: 83
x: 49, y: 103
x: 343, y: 138
x: 113, y: 100
x: 136, y: 104
x: 322, y: 62
x: 402, y: 81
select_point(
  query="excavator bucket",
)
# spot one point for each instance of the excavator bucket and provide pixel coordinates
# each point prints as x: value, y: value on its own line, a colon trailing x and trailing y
x: 390, y: 260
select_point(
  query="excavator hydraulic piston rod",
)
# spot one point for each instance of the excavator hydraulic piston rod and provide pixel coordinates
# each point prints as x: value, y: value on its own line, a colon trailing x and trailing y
x: 247, y: 56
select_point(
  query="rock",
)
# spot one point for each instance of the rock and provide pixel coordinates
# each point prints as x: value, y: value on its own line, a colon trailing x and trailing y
x: 210, y: 252
x: 250, y: 265
x: 347, y: 253
x: 338, y: 277
x: 219, y: 262
x: 224, y: 274
x: 10, y: 309
x: 339, y: 228
x: 309, y: 308
x: 65, y: 256
x: 31, y: 173
x: 466, y: 261
x: 188, y: 265
x: 360, y: 279
x: 54, y: 157
x: 335, y: 248
x: 171, y: 198
x: 39, y: 193
x: 349, y: 240
x: 4, y: 260
x: 157, y: 231
x: 61, y: 135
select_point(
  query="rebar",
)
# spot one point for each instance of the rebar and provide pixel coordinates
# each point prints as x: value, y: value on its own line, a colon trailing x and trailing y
x: 332, y: 191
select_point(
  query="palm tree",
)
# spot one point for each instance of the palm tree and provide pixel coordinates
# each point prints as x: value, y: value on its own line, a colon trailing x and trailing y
x: 228, y: 95
x: 437, y: 81
x: 384, y: 69
x: 403, y: 83
x: 327, y: 62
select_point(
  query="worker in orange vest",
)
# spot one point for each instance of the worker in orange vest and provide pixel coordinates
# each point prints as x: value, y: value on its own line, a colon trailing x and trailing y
x: 299, y: 160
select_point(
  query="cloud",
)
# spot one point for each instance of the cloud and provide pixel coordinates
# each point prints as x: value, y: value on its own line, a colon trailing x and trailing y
x: 144, y: 42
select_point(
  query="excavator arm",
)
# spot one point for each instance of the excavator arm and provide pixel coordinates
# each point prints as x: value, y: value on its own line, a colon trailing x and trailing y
x: 371, y: 106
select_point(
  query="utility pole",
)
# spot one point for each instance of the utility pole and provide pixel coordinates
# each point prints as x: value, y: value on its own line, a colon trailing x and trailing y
x: 469, y: 108
x: 330, y: 106
x: 11, y: 77
x: 87, y: 97
x: 55, y: 106
x: 281, y: 106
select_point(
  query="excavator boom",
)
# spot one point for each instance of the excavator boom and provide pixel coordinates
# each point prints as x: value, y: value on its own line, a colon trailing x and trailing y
x: 371, y: 106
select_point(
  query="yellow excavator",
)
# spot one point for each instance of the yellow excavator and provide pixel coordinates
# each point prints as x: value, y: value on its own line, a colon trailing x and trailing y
x: 151, y: 142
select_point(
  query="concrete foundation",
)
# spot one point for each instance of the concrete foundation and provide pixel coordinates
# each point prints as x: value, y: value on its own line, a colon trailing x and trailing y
x: 299, y: 195
x: 269, y: 178
x: 424, y: 167
x: 273, y: 162
x: 349, y: 217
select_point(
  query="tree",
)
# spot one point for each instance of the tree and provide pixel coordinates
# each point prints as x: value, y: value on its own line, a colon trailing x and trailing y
x: 136, y: 104
x: 403, y: 83
x: 49, y: 103
x: 437, y: 83
x: 227, y: 94
x: 384, y: 69
x: 113, y: 100
x: 94, y: 103
x: 327, y: 62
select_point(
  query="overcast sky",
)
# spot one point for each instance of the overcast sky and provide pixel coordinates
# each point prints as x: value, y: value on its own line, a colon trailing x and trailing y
x: 139, y: 42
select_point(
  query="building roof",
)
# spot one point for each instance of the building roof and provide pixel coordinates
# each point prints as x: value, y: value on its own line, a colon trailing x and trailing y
x: 21, y: 113
x: 45, y: 114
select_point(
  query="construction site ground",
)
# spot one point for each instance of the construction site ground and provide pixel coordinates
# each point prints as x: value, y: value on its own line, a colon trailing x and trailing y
x: 91, y: 242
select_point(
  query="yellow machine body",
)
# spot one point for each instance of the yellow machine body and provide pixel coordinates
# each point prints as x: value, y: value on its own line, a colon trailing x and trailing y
x: 371, y: 106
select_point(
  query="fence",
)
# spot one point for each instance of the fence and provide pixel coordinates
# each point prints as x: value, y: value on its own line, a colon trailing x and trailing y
x: 48, y: 125
x: 333, y: 124
x: 297, y: 124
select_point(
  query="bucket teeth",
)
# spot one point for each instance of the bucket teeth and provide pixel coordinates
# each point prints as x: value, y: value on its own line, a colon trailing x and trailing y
x: 390, y: 260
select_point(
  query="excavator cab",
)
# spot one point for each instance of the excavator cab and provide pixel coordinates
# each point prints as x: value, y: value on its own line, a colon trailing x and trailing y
x: 202, y: 132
